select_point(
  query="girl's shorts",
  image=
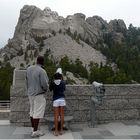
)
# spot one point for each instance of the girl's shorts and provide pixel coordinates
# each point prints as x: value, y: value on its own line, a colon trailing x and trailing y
x: 59, y: 102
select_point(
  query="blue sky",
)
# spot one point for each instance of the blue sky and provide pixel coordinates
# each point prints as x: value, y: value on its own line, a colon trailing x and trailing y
x: 128, y: 10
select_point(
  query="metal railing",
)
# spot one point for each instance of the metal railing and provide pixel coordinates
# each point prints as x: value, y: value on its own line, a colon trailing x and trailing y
x: 5, y: 105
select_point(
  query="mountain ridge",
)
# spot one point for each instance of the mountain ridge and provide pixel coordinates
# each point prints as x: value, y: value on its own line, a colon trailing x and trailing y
x: 75, y: 36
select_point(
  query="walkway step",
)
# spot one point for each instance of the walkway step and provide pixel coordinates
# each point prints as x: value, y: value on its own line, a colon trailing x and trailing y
x: 4, y: 122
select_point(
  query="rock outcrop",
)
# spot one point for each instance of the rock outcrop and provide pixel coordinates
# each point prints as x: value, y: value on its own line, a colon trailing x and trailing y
x: 74, y: 36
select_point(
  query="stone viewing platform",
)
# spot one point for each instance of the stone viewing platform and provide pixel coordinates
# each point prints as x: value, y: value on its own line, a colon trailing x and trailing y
x: 121, y: 102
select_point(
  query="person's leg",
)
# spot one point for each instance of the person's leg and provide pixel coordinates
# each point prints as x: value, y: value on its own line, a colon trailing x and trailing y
x: 31, y: 101
x: 35, y: 123
x: 61, y: 119
x: 39, y: 110
x: 32, y: 122
x: 36, y: 132
x: 38, y: 113
x: 56, y: 114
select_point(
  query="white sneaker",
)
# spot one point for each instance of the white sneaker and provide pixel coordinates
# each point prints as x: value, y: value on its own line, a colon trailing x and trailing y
x: 32, y: 129
x: 37, y: 134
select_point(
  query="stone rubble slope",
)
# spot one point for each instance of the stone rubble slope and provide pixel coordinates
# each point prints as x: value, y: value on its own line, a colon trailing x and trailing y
x: 63, y: 45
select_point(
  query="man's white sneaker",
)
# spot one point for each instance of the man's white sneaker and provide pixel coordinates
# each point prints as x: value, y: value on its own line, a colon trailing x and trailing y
x: 41, y: 133
x: 37, y: 134
x: 32, y: 129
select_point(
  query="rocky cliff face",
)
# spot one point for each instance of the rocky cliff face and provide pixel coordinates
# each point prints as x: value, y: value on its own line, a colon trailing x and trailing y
x: 74, y: 36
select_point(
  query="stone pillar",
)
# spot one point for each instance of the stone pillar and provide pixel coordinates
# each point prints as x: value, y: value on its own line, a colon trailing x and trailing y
x: 18, y: 98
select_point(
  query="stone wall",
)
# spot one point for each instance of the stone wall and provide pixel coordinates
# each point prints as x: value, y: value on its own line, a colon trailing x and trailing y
x: 121, y: 102
x: 4, y: 110
x: 4, y: 115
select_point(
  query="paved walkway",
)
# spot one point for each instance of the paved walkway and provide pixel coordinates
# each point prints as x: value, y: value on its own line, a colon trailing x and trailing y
x: 114, y: 130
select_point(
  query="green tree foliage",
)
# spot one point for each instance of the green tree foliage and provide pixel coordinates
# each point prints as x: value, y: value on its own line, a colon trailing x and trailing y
x: 35, y: 53
x: 60, y: 31
x: 127, y: 54
x: 6, y: 58
x: 22, y: 65
x: 65, y: 64
x: 121, y: 78
x: 20, y: 52
x: 87, y: 41
x: 50, y: 66
x: 6, y: 75
x: 133, y: 36
x: 41, y: 46
x: 54, y: 32
x: 31, y: 55
x: 41, y: 43
x: 26, y: 55
x: 68, y: 31
x: 105, y: 74
x: 76, y: 68
x: 39, y: 39
x: 75, y: 36
x: 80, y: 69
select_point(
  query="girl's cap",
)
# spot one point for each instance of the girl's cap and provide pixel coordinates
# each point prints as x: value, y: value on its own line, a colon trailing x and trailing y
x: 59, y: 70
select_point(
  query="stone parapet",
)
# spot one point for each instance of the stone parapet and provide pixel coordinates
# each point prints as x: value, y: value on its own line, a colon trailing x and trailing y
x: 121, y: 102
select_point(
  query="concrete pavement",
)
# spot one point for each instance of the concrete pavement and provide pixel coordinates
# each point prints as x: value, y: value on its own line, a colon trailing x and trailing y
x: 114, y: 130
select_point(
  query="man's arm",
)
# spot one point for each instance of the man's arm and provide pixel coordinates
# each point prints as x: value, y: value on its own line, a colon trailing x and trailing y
x: 44, y: 80
x: 51, y: 86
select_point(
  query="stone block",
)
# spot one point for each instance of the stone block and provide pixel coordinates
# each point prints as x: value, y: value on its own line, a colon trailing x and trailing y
x: 134, y: 102
x: 129, y: 114
x: 18, y: 116
x: 49, y: 107
x: 84, y: 97
x: 103, y: 115
x: 71, y: 90
x: 71, y: 97
x: 86, y: 90
x: 114, y: 104
x: 4, y: 115
x: 84, y: 104
x: 18, y: 91
x: 81, y: 116
x: 72, y: 105
x: 19, y: 77
x: 122, y: 89
x: 19, y: 104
